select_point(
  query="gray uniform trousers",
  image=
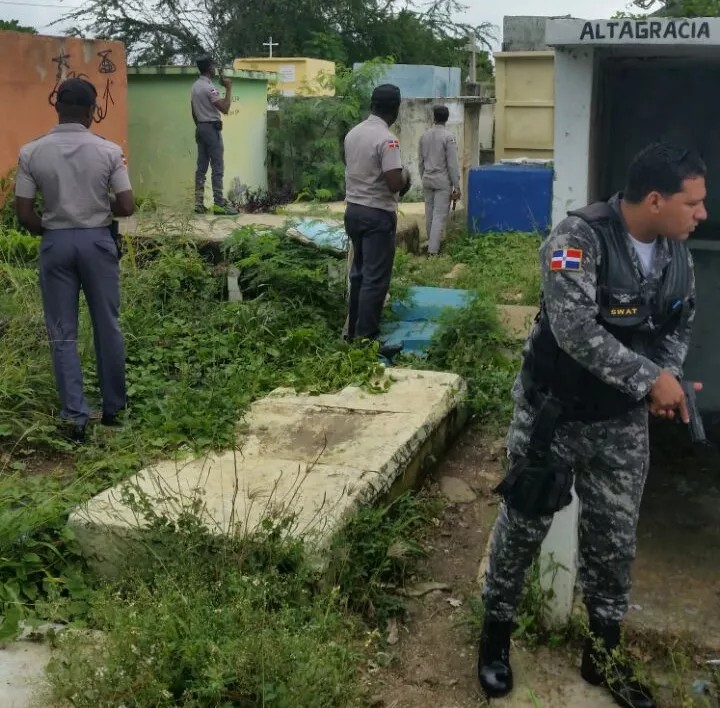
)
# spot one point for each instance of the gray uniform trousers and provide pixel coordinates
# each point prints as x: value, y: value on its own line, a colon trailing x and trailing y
x: 610, y: 460
x: 211, y: 152
x: 437, y: 209
x: 87, y: 259
x: 372, y: 232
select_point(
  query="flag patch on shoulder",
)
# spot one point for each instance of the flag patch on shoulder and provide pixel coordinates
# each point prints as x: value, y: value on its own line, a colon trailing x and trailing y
x: 566, y: 259
x: 393, y: 144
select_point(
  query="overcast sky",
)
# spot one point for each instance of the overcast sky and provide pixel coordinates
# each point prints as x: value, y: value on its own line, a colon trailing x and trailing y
x: 40, y: 13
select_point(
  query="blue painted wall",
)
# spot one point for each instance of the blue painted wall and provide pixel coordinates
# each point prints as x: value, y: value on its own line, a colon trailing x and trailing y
x: 417, y: 81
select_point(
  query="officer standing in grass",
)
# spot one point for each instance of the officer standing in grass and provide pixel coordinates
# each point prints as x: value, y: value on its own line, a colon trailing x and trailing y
x: 440, y: 173
x: 206, y: 106
x: 374, y: 181
x: 73, y: 170
x: 608, y: 346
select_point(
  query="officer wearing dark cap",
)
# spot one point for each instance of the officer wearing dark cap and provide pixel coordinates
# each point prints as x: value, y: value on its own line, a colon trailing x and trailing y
x: 75, y: 170
x: 206, y: 106
x: 374, y: 181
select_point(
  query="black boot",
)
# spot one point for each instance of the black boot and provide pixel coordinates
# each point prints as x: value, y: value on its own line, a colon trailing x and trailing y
x: 494, y: 671
x: 601, y: 668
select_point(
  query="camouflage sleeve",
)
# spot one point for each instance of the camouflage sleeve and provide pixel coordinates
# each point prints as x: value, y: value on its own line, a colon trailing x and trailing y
x: 569, y: 260
x: 671, y: 352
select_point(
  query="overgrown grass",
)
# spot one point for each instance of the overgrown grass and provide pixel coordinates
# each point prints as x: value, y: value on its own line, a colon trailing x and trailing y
x: 204, y: 621
x: 194, y: 363
x: 42, y: 570
x: 245, y: 619
x: 471, y: 342
x: 502, y: 266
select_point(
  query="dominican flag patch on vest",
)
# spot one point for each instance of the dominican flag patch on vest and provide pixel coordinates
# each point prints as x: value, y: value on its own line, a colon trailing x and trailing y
x: 566, y: 259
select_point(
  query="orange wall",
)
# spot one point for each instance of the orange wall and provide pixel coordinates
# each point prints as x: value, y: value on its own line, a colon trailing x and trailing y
x: 31, y: 66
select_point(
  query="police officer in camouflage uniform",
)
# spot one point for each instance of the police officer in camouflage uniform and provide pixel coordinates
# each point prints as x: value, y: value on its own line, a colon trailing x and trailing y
x: 607, y: 347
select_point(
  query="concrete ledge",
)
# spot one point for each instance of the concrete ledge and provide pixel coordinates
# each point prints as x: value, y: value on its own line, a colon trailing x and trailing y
x: 316, y: 458
x: 215, y: 229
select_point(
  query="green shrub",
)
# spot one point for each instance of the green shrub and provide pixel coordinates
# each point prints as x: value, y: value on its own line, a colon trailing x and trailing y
x: 18, y: 247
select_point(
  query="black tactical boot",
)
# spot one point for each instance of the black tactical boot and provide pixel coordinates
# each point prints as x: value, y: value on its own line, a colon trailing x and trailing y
x: 601, y: 668
x: 494, y: 670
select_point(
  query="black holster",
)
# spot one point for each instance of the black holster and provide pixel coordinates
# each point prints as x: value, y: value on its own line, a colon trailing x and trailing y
x: 536, y: 484
x: 117, y: 238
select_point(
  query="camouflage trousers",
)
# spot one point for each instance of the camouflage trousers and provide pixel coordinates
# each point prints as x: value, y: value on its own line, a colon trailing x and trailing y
x: 610, y: 461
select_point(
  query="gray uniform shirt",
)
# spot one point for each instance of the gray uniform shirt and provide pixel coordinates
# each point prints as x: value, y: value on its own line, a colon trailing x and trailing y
x: 370, y: 151
x: 202, y: 99
x: 438, y: 159
x: 73, y: 169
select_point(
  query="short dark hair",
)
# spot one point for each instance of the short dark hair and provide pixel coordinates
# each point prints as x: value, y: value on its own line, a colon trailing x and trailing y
x: 75, y: 99
x: 441, y: 114
x: 385, y: 98
x: 661, y: 168
x: 77, y: 92
x: 205, y: 63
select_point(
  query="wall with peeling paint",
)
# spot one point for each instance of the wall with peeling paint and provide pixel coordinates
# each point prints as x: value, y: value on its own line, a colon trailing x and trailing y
x: 32, y: 66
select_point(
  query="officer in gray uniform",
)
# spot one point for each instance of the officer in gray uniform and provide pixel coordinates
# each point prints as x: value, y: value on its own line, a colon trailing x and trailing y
x: 74, y: 169
x: 206, y: 106
x: 438, y: 164
x: 608, y: 346
x: 374, y: 181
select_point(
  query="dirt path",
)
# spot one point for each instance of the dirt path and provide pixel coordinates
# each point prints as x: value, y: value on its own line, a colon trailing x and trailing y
x: 434, y: 662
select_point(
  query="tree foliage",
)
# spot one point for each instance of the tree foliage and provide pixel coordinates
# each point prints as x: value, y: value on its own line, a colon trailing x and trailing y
x: 344, y: 31
x: 305, y: 137
x: 15, y: 26
x: 680, y: 8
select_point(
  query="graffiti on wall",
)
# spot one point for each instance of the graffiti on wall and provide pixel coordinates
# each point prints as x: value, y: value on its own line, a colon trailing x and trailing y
x: 105, y: 68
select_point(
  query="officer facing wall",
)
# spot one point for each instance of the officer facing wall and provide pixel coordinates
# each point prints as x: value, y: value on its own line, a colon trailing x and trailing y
x: 206, y: 107
x: 375, y: 180
x: 440, y: 173
x: 608, y: 345
x: 74, y: 170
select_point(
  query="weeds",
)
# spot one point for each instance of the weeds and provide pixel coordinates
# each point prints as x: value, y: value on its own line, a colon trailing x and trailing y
x: 18, y: 248
x: 40, y: 560
x: 263, y: 201
x: 502, y: 266
x: 243, y: 619
x: 374, y: 553
x: 472, y: 343
x: 193, y: 364
x: 202, y: 620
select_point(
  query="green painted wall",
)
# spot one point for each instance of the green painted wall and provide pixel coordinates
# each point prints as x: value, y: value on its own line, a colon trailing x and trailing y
x: 161, y: 133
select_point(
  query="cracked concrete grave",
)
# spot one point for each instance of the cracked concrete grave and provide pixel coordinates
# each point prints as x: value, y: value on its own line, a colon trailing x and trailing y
x: 315, y: 457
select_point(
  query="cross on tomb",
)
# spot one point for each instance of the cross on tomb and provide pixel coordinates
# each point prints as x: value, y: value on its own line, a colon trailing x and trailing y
x: 270, y: 45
